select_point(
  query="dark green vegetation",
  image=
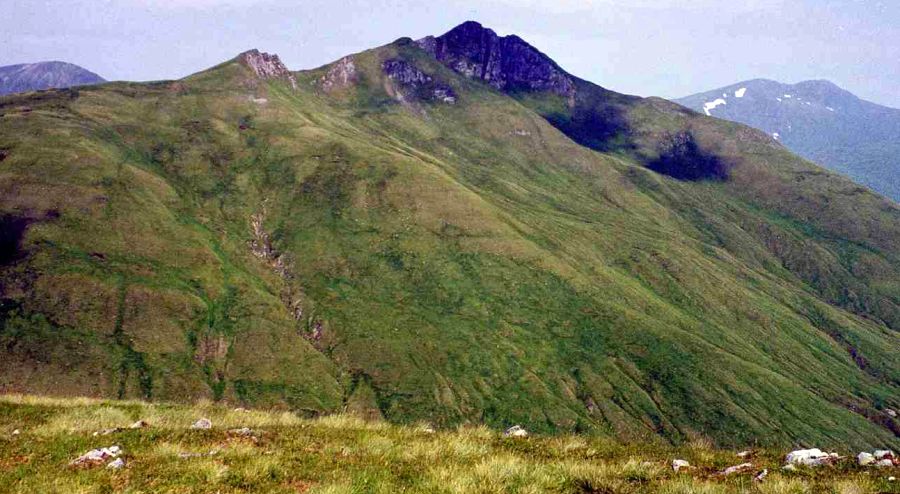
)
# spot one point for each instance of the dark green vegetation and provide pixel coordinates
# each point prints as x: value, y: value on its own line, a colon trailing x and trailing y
x: 356, y: 243
x: 341, y: 454
x: 820, y: 122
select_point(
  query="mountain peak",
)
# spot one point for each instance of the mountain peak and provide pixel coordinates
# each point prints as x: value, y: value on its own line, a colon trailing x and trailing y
x: 267, y: 66
x: 507, y: 63
x: 44, y: 75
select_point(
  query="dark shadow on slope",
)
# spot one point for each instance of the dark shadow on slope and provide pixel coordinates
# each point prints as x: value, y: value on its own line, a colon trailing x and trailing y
x: 12, y: 232
x: 681, y: 157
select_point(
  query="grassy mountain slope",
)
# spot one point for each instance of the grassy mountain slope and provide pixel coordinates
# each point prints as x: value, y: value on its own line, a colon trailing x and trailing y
x: 360, y: 243
x: 283, y: 453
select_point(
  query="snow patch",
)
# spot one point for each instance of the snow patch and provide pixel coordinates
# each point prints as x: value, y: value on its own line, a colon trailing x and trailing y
x: 779, y: 100
x: 740, y: 92
x: 776, y: 136
x: 829, y: 108
x: 711, y: 105
x: 788, y: 96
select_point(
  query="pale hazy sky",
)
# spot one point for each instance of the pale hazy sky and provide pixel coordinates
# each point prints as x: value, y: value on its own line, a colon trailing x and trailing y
x: 667, y: 48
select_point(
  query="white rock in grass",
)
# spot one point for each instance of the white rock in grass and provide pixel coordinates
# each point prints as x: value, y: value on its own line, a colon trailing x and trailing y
x: 140, y: 424
x: 744, y: 454
x: 891, y: 412
x: 116, y: 464
x: 864, y: 459
x: 16, y: 432
x: 761, y: 475
x: 887, y: 462
x: 203, y: 423
x: 679, y: 464
x: 743, y: 467
x: 810, y: 457
x: 97, y: 456
x: 515, y: 431
x: 881, y: 454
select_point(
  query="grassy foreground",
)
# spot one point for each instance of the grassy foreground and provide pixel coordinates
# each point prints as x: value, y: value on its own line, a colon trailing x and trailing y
x: 337, y: 454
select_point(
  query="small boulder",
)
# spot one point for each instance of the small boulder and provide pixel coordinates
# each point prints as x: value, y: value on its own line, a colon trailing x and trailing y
x: 864, y: 459
x: 428, y: 429
x: 679, y: 464
x: 891, y: 412
x: 790, y: 467
x: 761, y: 475
x: 203, y: 423
x: 140, y: 424
x: 116, y: 464
x: 105, y: 432
x: 744, y: 454
x: 16, y: 432
x: 515, y: 431
x: 743, y: 467
x: 243, y: 432
x: 887, y: 462
x: 881, y: 454
x: 97, y: 456
x: 810, y: 457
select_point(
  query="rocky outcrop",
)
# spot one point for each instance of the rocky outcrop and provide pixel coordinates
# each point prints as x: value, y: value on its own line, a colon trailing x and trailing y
x: 267, y: 66
x: 411, y: 83
x: 506, y: 63
x: 341, y: 74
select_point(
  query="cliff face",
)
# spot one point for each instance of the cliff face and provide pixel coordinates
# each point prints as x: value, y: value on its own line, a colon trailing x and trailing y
x: 506, y: 63
x: 267, y: 66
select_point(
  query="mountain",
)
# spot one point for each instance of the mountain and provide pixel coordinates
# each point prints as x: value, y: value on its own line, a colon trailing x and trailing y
x: 452, y: 230
x: 44, y: 75
x: 818, y: 121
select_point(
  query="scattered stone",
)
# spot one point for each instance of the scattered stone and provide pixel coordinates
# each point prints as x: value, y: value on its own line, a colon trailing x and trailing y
x: 744, y: 454
x: 241, y: 410
x: 891, y: 479
x: 140, y: 424
x: 97, y: 456
x: 515, y: 431
x: 428, y: 429
x: 864, y: 459
x: 116, y: 464
x: 811, y: 457
x: 203, y: 423
x: 789, y: 468
x: 891, y: 412
x: 106, y: 432
x: 743, y: 467
x: 679, y: 464
x: 881, y: 454
x: 884, y: 463
x: 243, y: 431
x: 16, y: 432
x: 761, y: 475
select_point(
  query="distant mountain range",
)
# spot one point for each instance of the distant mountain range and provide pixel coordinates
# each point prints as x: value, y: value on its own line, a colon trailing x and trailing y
x: 819, y: 121
x: 44, y: 75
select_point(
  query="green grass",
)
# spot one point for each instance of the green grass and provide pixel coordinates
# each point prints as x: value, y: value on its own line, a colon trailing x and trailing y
x: 342, y: 453
x: 464, y: 264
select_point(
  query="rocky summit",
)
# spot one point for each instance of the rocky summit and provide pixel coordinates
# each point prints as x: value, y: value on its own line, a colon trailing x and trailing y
x: 507, y: 63
x: 453, y: 232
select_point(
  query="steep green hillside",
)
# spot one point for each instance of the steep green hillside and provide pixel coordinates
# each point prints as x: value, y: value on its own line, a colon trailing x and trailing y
x: 392, y: 237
